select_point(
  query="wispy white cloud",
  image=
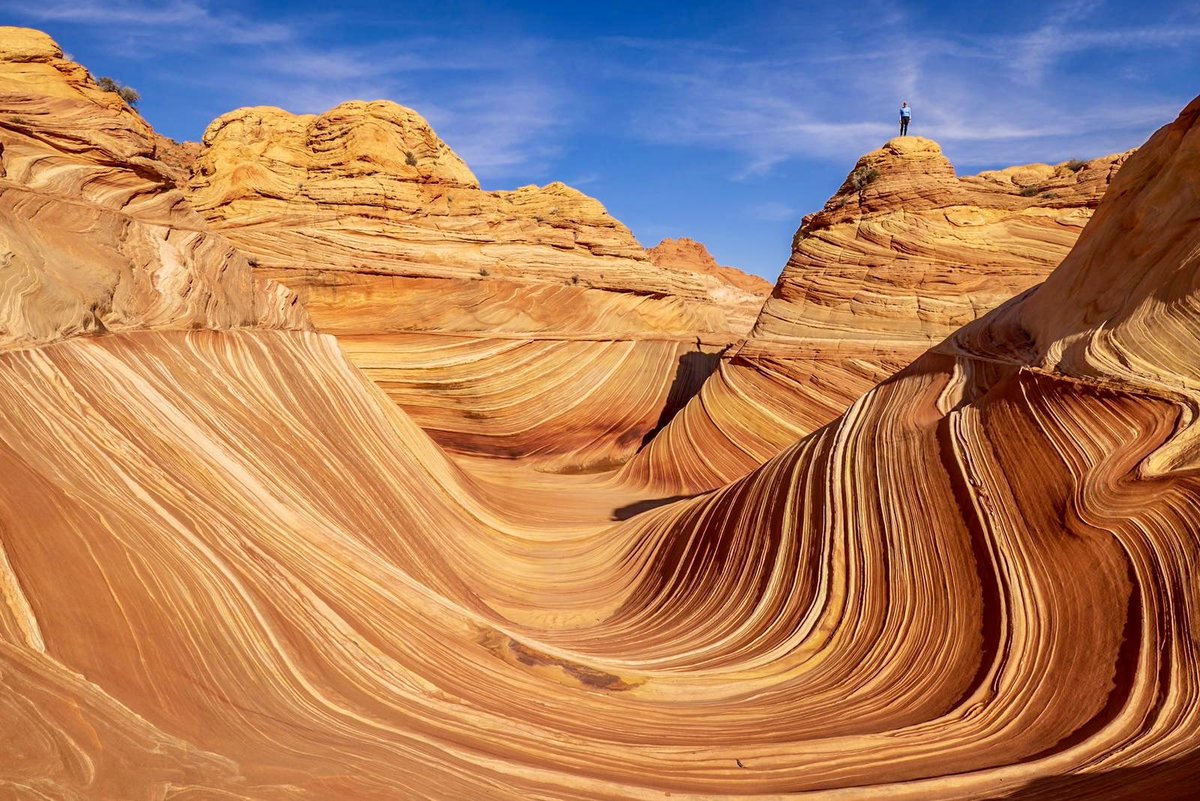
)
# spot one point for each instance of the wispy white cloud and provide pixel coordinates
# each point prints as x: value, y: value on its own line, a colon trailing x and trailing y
x: 822, y: 85
x: 986, y: 98
x: 1033, y: 53
x: 186, y: 20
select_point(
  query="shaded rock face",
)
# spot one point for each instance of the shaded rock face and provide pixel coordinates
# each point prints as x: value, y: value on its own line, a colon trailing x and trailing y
x: 231, y: 568
x: 902, y: 255
x: 93, y: 237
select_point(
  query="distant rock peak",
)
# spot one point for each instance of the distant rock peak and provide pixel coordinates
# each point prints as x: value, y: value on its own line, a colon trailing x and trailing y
x: 688, y: 255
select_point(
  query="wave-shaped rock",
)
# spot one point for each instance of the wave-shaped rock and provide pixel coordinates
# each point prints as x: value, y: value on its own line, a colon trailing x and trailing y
x: 369, y: 190
x: 231, y: 567
x: 520, y: 324
x: 901, y: 256
x: 95, y: 238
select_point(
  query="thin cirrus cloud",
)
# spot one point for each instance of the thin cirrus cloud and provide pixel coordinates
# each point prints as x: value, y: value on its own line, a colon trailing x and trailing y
x: 986, y: 99
x: 141, y: 21
x: 764, y: 111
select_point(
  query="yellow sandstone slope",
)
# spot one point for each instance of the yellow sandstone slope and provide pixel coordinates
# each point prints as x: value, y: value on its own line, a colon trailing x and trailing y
x: 94, y: 237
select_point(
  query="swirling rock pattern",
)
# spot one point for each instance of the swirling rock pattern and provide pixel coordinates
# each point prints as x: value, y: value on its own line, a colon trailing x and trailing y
x: 386, y: 236
x: 232, y: 568
x: 901, y: 256
x: 94, y: 238
x: 689, y: 256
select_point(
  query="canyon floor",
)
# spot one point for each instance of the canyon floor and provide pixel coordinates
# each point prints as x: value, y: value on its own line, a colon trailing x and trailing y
x: 330, y: 475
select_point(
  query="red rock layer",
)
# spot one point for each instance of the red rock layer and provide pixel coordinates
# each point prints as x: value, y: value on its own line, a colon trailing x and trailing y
x: 231, y: 568
x: 688, y: 255
x: 254, y: 577
x: 900, y: 257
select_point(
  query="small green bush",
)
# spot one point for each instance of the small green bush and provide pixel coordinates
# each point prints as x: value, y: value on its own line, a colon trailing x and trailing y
x: 1075, y: 165
x: 863, y: 177
x: 127, y: 93
x: 1030, y: 191
x: 410, y: 158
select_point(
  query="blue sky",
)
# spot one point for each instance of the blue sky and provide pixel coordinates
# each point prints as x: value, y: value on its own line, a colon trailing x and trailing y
x: 722, y: 121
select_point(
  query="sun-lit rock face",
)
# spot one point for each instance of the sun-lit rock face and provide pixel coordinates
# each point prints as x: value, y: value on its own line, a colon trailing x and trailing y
x: 906, y: 252
x: 688, y: 255
x: 902, y: 255
x: 528, y: 323
x: 369, y: 189
x: 92, y: 236
x: 232, y: 568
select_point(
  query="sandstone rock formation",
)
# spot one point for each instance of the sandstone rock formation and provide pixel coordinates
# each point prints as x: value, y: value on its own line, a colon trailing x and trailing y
x: 523, y: 324
x: 369, y: 190
x: 231, y: 568
x: 688, y: 255
x: 93, y: 240
x: 902, y: 255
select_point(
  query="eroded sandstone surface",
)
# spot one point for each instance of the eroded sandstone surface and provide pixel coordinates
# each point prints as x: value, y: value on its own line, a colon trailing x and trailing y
x: 902, y: 255
x: 232, y: 567
x: 464, y: 304
x: 94, y: 236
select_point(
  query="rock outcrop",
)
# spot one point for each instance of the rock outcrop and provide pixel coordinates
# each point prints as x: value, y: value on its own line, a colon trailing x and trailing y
x: 689, y: 256
x: 370, y: 191
x: 522, y: 324
x: 902, y: 255
x: 232, y: 568
x: 93, y: 236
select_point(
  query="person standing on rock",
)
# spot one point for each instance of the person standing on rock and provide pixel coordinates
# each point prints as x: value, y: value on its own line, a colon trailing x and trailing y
x: 905, y: 116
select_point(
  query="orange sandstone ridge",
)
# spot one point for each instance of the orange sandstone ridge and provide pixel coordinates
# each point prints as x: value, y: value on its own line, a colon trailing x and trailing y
x: 688, y: 255
x: 519, y: 324
x: 95, y: 239
x: 231, y: 567
x: 903, y: 254
x: 366, y: 193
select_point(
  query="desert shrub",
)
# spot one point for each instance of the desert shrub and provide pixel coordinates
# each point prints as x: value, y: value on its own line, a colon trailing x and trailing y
x: 1030, y: 191
x: 574, y: 279
x: 410, y: 158
x: 863, y: 177
x: 126, y: 93
x: 1075, y: 165
x: 485, y: 272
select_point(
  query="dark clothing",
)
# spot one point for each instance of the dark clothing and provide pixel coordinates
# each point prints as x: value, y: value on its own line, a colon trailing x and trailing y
x: 904, y: 126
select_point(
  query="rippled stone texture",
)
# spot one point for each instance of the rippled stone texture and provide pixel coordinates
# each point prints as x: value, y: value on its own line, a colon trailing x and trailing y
x: 93, y: 236
x: 689, y: 256
x: 369, y: 190
x: 902, y: 255
x: 543, y: 329
x: 231, y: 567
